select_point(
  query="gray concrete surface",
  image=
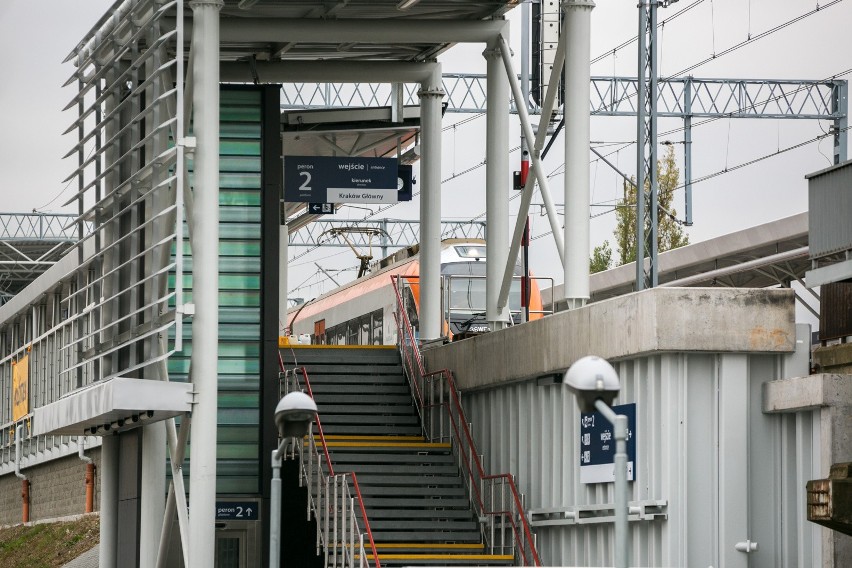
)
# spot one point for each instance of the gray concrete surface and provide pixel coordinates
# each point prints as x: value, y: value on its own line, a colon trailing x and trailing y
x: 711, y: 320
x: 88, y: 559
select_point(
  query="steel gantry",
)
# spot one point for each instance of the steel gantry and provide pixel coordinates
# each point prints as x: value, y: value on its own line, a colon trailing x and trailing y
x: 685, y: 98
x: 397, y: 233
x: 30, y: 243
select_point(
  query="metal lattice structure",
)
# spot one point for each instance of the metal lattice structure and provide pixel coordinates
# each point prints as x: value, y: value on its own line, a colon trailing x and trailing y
x: 677, y: 97
x: 30, y: 243
x: 646, y: 148
x: 399, y: 233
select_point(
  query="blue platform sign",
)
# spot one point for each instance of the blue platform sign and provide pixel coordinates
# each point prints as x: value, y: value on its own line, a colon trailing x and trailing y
x: 236, y: 511
x: 321, y: 208
x: 324, y: 179
x: 597, y: 445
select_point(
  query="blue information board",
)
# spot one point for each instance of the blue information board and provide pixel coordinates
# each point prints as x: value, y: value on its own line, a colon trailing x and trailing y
x: 236, y: 511
x: 325, y: 179
x: 597, y: 445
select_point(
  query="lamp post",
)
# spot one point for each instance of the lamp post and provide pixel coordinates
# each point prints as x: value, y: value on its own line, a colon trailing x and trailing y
x: 293, y: 417
x: 595, y: 384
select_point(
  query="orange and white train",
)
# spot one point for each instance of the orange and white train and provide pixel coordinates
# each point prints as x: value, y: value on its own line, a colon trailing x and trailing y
x: 361, y: 312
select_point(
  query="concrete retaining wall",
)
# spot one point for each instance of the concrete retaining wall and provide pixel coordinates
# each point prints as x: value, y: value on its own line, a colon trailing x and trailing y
x: 57, y: 489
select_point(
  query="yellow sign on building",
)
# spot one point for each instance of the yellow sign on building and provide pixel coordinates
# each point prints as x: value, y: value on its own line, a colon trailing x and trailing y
x: 20, y: 388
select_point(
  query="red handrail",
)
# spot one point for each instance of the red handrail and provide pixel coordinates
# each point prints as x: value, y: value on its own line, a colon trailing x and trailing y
x: 404, y: 327
x: 331, y: 467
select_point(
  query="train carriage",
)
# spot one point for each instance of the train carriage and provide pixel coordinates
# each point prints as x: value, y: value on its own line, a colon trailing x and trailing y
x: 361, y: 312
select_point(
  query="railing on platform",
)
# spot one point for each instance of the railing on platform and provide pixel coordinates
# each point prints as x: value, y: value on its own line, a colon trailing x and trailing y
x: 495, y: 497
x: 330, y: 500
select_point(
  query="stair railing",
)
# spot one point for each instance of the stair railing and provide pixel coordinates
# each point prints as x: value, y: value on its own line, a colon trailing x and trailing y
x: 330, y: 501
x: 495, y: 497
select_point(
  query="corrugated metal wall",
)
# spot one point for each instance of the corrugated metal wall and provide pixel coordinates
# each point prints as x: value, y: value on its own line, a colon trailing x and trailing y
x: 728, y: 472
x: 830, y: 207
x: 835, y: 314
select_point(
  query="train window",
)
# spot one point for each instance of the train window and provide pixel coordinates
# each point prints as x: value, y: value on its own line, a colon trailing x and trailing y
x: 471, y: 251
x: 515, y: 296
x: 410, y: 308
x: 352, y: 332
x: 378, y: 321
x: 467, y: 294
x: 340, y: 334
x: 364, y: 330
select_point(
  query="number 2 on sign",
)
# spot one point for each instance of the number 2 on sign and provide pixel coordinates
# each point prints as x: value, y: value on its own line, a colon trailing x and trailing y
x: 306, y: 184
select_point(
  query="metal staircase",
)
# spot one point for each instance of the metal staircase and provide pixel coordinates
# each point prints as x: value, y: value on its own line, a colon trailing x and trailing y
x: 394, y: 475
x: 417, y: 506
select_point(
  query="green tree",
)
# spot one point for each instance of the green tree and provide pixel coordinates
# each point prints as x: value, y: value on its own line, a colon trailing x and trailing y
x: 601, y: 258
x: 670, y: 234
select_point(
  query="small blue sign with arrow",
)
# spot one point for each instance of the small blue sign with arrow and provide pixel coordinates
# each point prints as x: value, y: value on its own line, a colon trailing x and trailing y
x: 236, y: 511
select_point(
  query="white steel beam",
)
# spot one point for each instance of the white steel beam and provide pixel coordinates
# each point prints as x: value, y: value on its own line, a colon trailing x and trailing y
x: 205, y: 252
x: 283, y: 259
x: 496, y: 187
x: 537, y: 169
x: 577, y: 35
x: 329, y: 71
x: 389, y: 31
x: 107, y: 557
x: 431, y: 94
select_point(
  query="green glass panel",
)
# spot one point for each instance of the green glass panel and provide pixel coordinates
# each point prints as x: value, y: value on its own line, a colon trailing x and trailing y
x: 239, y: 114
x: 247, y: 434
x: 231, y: 298
x: 238, y: 331
x: 232, y: 130
x: 228, y: 282
x: 241, y: 298
x: 231, y: 264
x: 237, y: 451
x: 238, y: 467
x: 239, y: 197
x: 236, y: 164
x: 239, y: 282
x: 239, y: 147
x: 238, y: 400
x: 239, y: 248
x: 230, y: 180
x: 236, y: 485
x: 239, y: 231
x: 241, y: 366
x: 239, y: 315
x: 235, y: 416
x: 240, y: 214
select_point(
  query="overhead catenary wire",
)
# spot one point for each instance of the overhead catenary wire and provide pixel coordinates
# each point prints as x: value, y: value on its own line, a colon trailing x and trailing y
x: 751, y: 39
x: 626, y: 43
x: 714, y: 175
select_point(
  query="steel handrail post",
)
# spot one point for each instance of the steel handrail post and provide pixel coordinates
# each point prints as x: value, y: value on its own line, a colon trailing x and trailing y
x: 366, y: 521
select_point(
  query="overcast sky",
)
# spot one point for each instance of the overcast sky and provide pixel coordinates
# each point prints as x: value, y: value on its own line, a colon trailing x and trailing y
x: 36, y: 37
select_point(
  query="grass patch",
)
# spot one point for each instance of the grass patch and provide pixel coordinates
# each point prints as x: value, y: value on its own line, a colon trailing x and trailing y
x: 48, y: 545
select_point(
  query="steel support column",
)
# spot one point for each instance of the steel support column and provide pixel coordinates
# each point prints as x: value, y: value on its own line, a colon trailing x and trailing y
x: 205, y: 251
x: 152, y: 496
x: 576, y: 34
x: 107, y: 557
x: 496, y: 186
x: 535, y: 159
x: 283, y: 259
x: 840, y: 106
x: 687, y: 149
x: 431, y: 94
x: 646, y: 144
